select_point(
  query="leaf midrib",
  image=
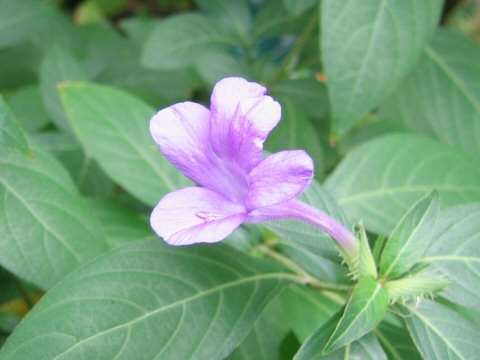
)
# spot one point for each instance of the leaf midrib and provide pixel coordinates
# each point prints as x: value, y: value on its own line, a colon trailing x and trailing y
x: 254, y: 278
x: 431, y: 326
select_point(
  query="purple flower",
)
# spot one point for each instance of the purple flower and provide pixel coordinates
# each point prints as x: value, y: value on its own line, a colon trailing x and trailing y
x: 221, y: 151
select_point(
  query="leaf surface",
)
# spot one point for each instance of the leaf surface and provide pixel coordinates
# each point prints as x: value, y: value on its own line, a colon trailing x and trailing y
x: 442, y: 95
x: 455, y: 253
x: 47, y: 230
x: 368, y: 48
x: 112, y: 126
x: 440, y: 333
x: 176, y: 42
x: 410, y: 238
x: 381, y: 179
x: 151, y: 299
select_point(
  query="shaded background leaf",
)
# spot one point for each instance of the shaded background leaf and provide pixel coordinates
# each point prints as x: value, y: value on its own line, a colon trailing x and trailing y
x: 368, y: 48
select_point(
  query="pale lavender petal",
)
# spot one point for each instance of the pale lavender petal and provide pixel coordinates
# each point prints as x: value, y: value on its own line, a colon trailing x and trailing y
x: 241, y: 118
x: 252, y: 122
x: 278, y: 178
x: 226, y: 95
x: 182, y: 131
x: 195, y: 215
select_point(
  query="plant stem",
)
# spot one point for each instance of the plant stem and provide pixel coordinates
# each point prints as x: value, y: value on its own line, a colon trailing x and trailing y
x: 296, y: 49
x: 305, y: 277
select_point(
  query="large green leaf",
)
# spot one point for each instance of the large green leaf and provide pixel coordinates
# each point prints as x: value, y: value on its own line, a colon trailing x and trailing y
x: 20, y: 19
x: 307, y: 235
x: 27, y: 105
x: 365, y: 309
x: 410, y: 238
x: 368, y: 48
x: 151, y: 299
x: 90, y: 179
x: 11, y: 134
x: 113, y: 127
x: 306, y: 309
x: 442, y: 94
x: 47, y: 230
x: 57, y: 67
x: 441, y: 333
x: 455, y: 252
x: 396, y: 342
x: 178, y: 41
x: 380, y: 180
x: 366, y: 347
x: 296, y: 132
x: 120, y: 224
x: 263, y: 341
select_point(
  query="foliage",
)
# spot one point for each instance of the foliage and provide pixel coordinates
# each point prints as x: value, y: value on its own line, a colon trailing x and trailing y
x: 385, y: 97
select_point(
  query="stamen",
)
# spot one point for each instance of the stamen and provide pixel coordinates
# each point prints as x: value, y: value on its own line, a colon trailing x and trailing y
x: 208, y: 216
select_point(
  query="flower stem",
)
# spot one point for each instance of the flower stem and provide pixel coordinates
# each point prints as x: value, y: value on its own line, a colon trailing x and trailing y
x: 297, y: 210
x: 305, y: 277
x: 296, y: 49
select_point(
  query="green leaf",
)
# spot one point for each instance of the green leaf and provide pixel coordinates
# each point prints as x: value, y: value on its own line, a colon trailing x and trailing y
x: 441, y: 333
x: 47, y: 230
x: 272, y: 20
x: 11, y: 134
x: 113, y: 128
x: 151, y: 299
x: 233, y: 15
x: 298, y: 7
x: 396, y: 342
x: 19, y: 20
x: 57, y: 67
x: 364, y: 311
x: 263, y: 341
x: 120, y: 224
x: 455, y: 253
x: 410, y: 238
x: 296, y: 132
x: 309, y: 94
x: 308, y: 236
x: 306, y: 309
x: 368, y: 49
x: 216, y: 65
x: 380, y: 180
x: 88, y: 176
x: 367, y: 347
x: 160, y: 88
x: 365, y: 264
x: 176, y: 42
x: 442, y: 95
x: 27, y: 105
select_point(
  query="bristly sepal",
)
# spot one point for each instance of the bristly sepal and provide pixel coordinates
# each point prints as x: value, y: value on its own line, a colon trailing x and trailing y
x: 419, y: 285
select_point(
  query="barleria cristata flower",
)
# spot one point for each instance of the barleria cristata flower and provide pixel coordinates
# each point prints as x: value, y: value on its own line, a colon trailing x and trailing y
x: 221, y: 150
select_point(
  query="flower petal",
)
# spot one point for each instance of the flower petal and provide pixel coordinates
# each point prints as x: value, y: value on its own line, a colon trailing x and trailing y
x: 227, y: 94
x: 278, y: 178
x: 195, y: 215
x: 182, y: 131
x: 252, y: 123
x: 241, y: 118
